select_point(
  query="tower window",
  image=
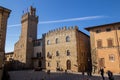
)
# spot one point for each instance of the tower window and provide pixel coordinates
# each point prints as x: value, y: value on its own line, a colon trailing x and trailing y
x: 48, y: 42
x: 57, y: 41
x: 67, y: 39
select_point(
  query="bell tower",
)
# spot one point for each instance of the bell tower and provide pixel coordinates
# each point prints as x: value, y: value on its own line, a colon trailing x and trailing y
x: 4, y: 14
x: 29, y: 24
x: 24, y: 47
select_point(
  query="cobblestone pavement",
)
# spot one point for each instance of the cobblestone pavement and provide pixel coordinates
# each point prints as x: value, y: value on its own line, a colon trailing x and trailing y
x: 37, y: 75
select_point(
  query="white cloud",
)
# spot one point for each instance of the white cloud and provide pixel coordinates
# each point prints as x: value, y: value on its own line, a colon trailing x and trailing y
x: 15, y: 25
x: 64, y: 20
x: 72, y: 19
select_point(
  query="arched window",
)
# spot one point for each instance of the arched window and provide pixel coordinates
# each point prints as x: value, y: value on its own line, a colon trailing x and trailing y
x: 48, y: 64
x: 68, y: 64
x: 67, y: 39
x: 58, y: 64
x: 48, y: 42
x: 48, y: 54
x: 68, y: 53
x: 57, y: 41
x: 57, y: 53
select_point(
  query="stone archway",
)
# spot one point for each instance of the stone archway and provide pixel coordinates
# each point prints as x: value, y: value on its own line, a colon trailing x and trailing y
x: 68, y: 65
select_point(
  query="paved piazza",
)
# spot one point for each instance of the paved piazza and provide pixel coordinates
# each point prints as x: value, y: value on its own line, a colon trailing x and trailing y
x: 37, y: 75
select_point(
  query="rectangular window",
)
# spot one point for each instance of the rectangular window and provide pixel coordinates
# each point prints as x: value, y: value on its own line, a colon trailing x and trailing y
x: 110, y: 43
x: 108, y: 29
x: 99, y: 44
x: 111, y: 57
x: 98, y: 31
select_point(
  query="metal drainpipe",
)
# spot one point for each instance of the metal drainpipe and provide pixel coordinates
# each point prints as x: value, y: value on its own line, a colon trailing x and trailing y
x: 117, y: 43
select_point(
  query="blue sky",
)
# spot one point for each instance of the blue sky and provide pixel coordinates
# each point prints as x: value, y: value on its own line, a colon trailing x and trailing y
x: 59, y: 13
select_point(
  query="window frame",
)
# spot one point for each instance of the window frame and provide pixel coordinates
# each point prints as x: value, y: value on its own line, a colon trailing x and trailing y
x: 110, y: 42
x: 99, y: 43
x: 68, y: 52
x: 38, y: 54
x: 67, y: 39
x: 57, y: 53
x: 111, y: 57
x: 56, y: 40
x: 48, y: 64
x: 98, y: 31
x: 48, y: 42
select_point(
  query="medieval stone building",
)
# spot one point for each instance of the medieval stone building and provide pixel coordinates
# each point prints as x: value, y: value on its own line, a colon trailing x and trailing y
x: 60, y: 49
x: 66, y: 49
x: 4, y: 14
x: 105, y: 47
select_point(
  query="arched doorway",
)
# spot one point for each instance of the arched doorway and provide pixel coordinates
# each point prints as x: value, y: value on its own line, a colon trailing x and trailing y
x: 68, y: 64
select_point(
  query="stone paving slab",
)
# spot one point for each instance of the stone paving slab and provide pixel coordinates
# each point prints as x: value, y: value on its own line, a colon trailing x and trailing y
x: 37, y: 75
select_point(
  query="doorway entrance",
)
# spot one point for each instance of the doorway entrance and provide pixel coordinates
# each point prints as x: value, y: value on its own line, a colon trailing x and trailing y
x: 68, y: 64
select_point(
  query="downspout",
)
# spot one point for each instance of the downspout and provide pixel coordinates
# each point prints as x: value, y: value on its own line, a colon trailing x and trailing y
x: 117, y: 45
x: 77, y: 44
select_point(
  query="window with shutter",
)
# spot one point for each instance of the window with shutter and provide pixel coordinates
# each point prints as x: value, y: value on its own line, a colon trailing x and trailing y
x: 99, y: 44
x: 110, y: 43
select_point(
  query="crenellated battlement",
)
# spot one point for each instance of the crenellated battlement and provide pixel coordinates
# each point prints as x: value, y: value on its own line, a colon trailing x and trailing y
x: 31, y: 12
x: 62, y: 29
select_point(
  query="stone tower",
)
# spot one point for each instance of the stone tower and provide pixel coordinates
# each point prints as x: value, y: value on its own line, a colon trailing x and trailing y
x: 24, y: 47
x: 4, y: 14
